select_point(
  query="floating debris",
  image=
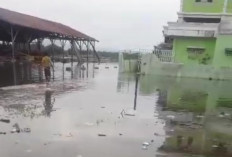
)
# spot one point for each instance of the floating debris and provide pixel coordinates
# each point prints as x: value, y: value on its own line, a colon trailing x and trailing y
x: 156, y: 134
x: 144, y: 148
x: 2, y: 133
x: 96, y: 67
x: 129, y: 112
x: 102, y: 135
x: 16, y: 128
x: 145, y: 145
x: 171, y: 117
x: 89, y: 124
x: 214, y: 146
x: 28, y: 130
x: 13, y: 130
x: 200, y: 116
x: 5, y: 120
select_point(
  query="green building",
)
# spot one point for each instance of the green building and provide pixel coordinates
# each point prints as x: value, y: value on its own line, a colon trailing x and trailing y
x: 199, y: 44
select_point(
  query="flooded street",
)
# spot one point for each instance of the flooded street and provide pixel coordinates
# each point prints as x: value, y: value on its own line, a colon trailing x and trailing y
x: 106, y: 114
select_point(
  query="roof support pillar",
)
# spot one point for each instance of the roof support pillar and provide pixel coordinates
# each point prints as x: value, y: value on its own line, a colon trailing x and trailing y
x: 39, y: 43
x: 53, y: 71
x: 87, y: 59
x: 28, y: 44
x: 63, y: 42
x: 72, y: 50
x: 94, y: 51
x: 13, y: 38
x: 79, y: 51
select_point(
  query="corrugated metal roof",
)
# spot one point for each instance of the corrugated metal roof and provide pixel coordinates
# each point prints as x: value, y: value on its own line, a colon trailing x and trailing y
x: 23, y: 20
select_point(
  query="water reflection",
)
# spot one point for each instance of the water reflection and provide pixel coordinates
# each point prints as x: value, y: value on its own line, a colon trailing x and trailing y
x: 48, y: 103
x: 136, y: 91
x: 18, y: 73
x: 197, y: 114
x: 177, y: 117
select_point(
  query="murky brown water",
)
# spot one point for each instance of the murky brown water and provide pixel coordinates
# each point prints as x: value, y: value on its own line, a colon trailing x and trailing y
x: 97, y: 116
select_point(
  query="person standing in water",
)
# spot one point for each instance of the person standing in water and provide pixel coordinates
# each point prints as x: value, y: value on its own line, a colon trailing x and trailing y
x: 47, y: 64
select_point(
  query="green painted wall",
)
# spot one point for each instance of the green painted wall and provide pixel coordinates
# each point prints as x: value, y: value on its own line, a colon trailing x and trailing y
x: 221, y: 59
x: 182, y: 56
x: 229, y: 6
x: 203, y: 7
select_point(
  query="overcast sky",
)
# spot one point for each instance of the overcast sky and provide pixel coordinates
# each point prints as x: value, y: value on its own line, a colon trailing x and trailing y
x: 117, y: 24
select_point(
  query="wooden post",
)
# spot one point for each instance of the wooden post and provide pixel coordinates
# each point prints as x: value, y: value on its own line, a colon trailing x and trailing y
x: 94, y: 51
x: 53, y: 71
x: 87, y: 59
x: 13, y: 38
x: 136, y: 91
x: 79, y: 54
x: 87, y: 69
x: 72, y: 51
x: 62, y: 46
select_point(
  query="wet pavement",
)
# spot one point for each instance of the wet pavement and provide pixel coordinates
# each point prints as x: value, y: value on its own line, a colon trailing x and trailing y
x: 103, y: 113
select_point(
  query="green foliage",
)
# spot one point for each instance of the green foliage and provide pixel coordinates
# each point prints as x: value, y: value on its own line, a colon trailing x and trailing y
x: 130, y: 56
x: 113, y: 56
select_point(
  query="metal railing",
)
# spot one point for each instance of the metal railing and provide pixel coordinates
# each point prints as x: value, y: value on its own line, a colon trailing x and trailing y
x: 164, y: 55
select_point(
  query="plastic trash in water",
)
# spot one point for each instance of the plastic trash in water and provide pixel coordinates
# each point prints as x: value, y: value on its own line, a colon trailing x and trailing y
x: 13, y: 130
x: 16, y: 128
x: 145, y: 145
x: 89, y: 124
x: 28, y: 130
x: 129, y: 112
x: 171, y: 117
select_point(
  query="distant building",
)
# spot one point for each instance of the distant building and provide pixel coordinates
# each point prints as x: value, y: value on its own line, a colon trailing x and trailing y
x: 200, y: 41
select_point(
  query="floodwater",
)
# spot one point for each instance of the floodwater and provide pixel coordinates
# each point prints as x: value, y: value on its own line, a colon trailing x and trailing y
x: 105, y: 114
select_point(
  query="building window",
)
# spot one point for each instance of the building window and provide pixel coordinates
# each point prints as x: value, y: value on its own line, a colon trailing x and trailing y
x: 209, y: 1
x: 195, y: 52
x: 228, y: 51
